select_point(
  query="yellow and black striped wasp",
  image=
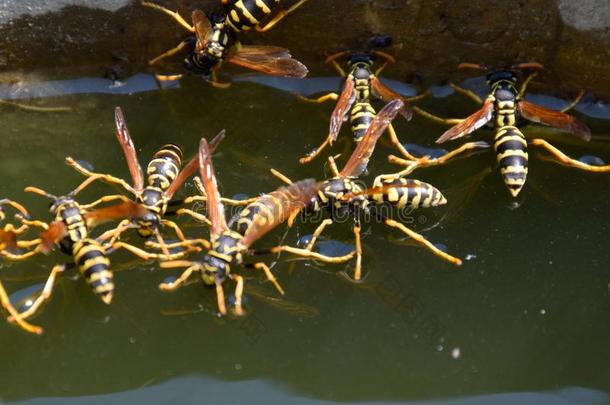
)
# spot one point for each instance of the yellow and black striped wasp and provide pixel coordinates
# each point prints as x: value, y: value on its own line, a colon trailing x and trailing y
x: 229, y: 247
x: 342, y: 196
x: 8, y: 246
x: 215, y: 41
x: 361, y: 85
x: 505, y: 105
x: 164, y: 178
x: 70, y: 230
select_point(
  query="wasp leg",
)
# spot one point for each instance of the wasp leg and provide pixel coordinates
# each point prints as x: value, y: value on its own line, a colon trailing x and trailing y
x: 171, y: 52
x: 147, y: 255
x: 269, y: 275
x: 115, y: 234
x: 397, y: 144
x: 427, y: 161
x: 19, y: 257
x: 16, y: 206
x: 279, y: 16
x: 220, y: 299
x: 332, y: 165
x: 281, y: 176
x: 177, y: 283
x: 175, y: 227
x: 313, y: 255
x: 332, y: 59
x: 423, y: 241
x: 388, y: 59
x: 229, y: 201
x: 199, y: 217
x: 574, y: 102
x: 105, y: 199
x: 86, y: 183
x: 183, y: 244
x: 45, y: 294
x: 358, y: 268
x: 35, y: 108
x: 418, y: 97
x: 321, y: 99
x: 216, y: 83
x: 104, y: 177
x: 525, y: 83
x: 315, y: 152
x: 468, y: 93
x: 435, y: 118
x: 239, y: 292
x: 15, y: 315
x: 173, y: 14
x: 563, y: 158
x: 317, y: 233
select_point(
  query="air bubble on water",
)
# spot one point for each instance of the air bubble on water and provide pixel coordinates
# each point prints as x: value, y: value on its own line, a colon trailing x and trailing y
x: 441, y: 247
x: 238, y: 366
x: 87, y: 165
x: 304, y: 240
x: 456, y: 353
x: 169, y: 280
x: 132, y: 339
x: 439, y: 348
x: 23, y: 299
x: 542, y: 311
x: 334, y: 248
x: 470, y: 256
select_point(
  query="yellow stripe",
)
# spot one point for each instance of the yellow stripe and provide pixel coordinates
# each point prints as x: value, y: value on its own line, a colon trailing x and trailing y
x: 100, y: 275
x: 512, y: 152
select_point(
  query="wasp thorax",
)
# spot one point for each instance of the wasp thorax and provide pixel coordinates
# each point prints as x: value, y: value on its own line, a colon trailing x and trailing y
x: 361, y: 73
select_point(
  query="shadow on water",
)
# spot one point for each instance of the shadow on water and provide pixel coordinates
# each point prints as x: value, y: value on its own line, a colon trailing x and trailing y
x: 527, y: 313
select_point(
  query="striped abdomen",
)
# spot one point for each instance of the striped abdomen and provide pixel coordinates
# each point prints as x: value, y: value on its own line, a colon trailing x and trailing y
x: 409, y: 193
x: 93, y: 264
x: 245, y: 14
x: 511, y: 151
x: 70, y: 214
x: 164, y: 166
x: 360, y: 117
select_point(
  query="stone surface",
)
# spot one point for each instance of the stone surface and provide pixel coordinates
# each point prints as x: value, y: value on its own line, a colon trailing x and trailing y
x: 428, y: 37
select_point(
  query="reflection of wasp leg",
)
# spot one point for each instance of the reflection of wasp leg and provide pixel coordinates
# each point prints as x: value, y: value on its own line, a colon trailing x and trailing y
x: 220, y: 299
x: 321, y: 99
x: 167, y: 78
x: 104, y: 177
x: 262, y: 266
x: 14, y: 314
x: 423, y: 241
x: 435, y: 118
x: 173, y: 14
x: 468, y: 93
x: 217, y: 83
x: 279, y: 16
x: 46, y: 292
x: 563, y: 158
x: 35, y: 108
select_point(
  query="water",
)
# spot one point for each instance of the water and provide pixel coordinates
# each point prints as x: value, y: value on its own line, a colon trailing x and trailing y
x: 524, y: 320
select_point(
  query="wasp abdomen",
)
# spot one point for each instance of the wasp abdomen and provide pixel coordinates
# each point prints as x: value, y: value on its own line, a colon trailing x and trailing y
x: 93, y: 264
x: 511, y: 152
x: 360, y: 118
x: 245, y: 14
x: 409, y: 193
x: 164, y: 166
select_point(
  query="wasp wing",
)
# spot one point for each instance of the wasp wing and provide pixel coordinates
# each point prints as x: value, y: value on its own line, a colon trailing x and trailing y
x: 203, y: 29
x: 345, y: 102
x: 271, y: 60
x: 191, y: 167
x: 387, y: 95
x: 279, y: 206
x: 127, y: 209
x: 557, y: 119
x: 359, y: 159
x: 470, y: 124
x: 216, y: 211
x: 129, y: 150
x: 56, y: 231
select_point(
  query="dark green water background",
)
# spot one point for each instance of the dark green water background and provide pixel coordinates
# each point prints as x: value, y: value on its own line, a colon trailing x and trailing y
x: 530, y: 310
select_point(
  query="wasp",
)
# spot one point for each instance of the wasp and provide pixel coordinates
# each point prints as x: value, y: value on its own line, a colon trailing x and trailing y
x: 361, y: 85
x: 8, y: 243
x: 215, y: 41
x: 164, y: 178
x: 229, y: 247
x: 342, y: 196
x: 505, y: 105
